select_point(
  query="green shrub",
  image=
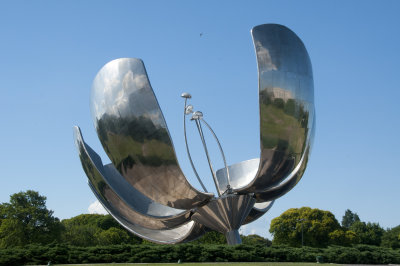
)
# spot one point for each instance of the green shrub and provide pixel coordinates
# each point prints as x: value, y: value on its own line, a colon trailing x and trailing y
x: 65, y: 254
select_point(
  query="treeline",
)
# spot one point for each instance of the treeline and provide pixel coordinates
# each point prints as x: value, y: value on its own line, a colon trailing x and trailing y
x: 30, y: 234
x: 319, y: 228
x: 25, y: 220
x: 95, y: 229
x: 65, y: 254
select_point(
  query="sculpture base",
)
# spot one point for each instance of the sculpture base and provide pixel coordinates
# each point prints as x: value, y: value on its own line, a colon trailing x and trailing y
x: 233, y: 237
x: 225, y: 215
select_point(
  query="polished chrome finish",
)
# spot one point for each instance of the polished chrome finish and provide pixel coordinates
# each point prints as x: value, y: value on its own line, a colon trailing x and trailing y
x: 134, y: 134
x: 277, y: 191
x: 197, y: 115
x: 186, y: 95
x: 189, y: 109
x: 233, y: 237
x: 126, y: 200
x: 186, y: 232
x: 223, y: 158
x: 240, y: 173
x: 198, y: 124
x: 225, y: 214
x: 286, y: 108
x: 185, y: 112
x: 144, y: 188
x: 258, y: 210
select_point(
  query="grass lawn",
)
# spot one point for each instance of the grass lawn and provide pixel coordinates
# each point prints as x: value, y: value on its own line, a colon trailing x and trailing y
x: 205, y: 264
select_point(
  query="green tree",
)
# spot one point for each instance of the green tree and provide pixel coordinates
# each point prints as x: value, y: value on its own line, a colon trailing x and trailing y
x: 80, y: 234
x: 212, y: 237
x: 343, y: 237
x: 349, y: 218
x: 256, y: 240
x: 106, y: 222
x: 368, y: 233
x: 317, y: 225
x: 11, y: 233
x: 113, y: 236
x: 391, y: 238
x: 96, y: 229
x: 25, y: 220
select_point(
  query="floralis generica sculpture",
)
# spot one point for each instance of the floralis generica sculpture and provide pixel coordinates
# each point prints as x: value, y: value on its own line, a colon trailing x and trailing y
x: 144, y: 188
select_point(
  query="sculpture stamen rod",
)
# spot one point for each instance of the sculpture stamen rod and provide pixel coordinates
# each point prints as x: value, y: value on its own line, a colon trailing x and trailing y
x: 144, y: 188
x: 188, y: 110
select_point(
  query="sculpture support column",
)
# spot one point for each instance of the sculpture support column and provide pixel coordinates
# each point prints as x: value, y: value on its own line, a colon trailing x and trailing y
x: 233, y: 237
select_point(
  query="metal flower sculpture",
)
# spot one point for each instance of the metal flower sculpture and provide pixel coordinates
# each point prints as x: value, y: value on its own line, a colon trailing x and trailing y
x: 144, y: 188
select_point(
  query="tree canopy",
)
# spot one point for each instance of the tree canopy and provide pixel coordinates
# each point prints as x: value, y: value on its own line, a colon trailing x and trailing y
x: 391, y: 238
x: 317, y: 225
x: 368, y: 233
x: 349, y: 218
x: 320, y: 228
x: 25, y: 220
x: 96, y: 229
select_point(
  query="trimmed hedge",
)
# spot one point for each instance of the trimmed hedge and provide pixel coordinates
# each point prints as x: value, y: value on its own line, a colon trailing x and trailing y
x: 61, y: 253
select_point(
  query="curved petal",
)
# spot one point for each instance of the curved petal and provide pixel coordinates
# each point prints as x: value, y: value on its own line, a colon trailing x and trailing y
x: 184, y: 233
x: 286, y: 99
x: 122, y: 198
x: 134, y: 134
x: 258, y: 210
x: 280, y: 190
x: 240, y: 174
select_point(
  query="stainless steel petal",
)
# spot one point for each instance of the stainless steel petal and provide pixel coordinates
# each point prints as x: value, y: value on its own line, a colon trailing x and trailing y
x: 286, y: 99
x: 258, y: 210
x: 134, y: 134
x: 240, y: 174
x: 281, y: 189
x: 122, y: 197
x: 184, y: 233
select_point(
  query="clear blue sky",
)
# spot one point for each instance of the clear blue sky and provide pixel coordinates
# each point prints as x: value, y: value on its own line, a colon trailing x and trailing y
x: 50, y: 51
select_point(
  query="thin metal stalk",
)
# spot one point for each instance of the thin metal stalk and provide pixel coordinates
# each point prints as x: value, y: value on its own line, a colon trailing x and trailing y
x: 208, y: 157
x: 222, y: 152
x: 187, y: 149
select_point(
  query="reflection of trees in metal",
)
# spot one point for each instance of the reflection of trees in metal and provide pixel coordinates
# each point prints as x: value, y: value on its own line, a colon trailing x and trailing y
x: 145, y: 189
x: 136, y: 135
x: 128, y: 206
x: 284, y: 124
x: 139, y: 128
x: 286, y: 112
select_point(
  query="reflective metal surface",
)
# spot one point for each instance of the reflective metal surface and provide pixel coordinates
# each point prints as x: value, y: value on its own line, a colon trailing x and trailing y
x: 144, y: 188
x: 188, y: 109
x: 133, y: 132
x: 239, y: 173
x: 123, y: 198
x: 286, y: 99
x: 184, y: 233
x: 233, y: 237
x: 228, y: 187
x: 258, y: 210
x: 198, y: 124
x: 292, y: 180
x: 225, y: 214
